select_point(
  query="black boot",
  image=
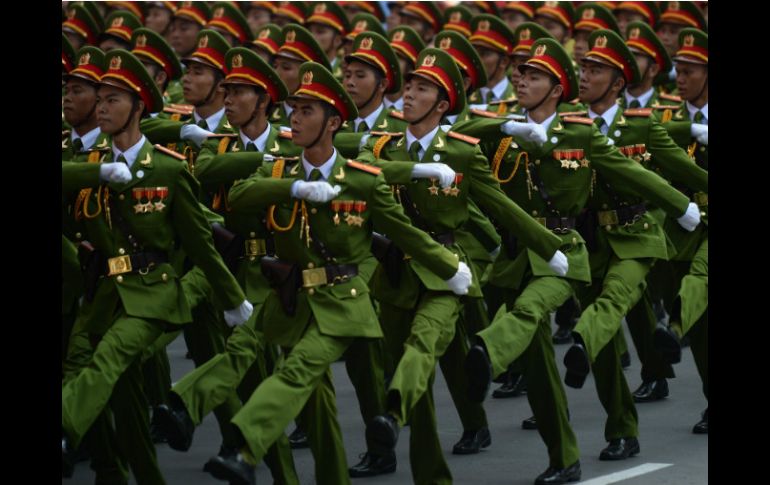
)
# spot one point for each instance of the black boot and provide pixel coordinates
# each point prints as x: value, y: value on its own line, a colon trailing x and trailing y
x: 372, y: 464
x: 298, y: 439
x: 515, y: 385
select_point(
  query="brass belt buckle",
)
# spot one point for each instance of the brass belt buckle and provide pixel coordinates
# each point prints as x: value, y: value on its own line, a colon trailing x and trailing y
x: 313, y: 277
x: 255, y: 247
x: 119, y: 265
x: 701, y: 199
x: 608, y: 218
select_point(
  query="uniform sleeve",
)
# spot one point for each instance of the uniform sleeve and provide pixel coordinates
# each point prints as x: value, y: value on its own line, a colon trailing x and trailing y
x: 76, y: 176
x: 679, y: 131
x: 195, y: 234
x: 213, y: 169
x: 160, y: 130
x: 485, y: 128
x: 348, y: 144
x: 260, y: 191
x: 388, y: 216
x: 673, y: 160
x: 396, y: 172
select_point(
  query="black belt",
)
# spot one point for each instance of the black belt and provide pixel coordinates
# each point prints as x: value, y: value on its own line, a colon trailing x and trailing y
x: 329, y: 274
x: 445, y: 238
x: 559, y: 225
x: 135, y: 263
x: 624, y: 215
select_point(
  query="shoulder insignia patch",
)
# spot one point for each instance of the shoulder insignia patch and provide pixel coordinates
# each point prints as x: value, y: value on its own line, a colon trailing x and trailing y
x: 484, y: 113
x: 578, y: 119
x: 573, y: 113
x: 670, y: 97
x: 65, y: 133
x: 171, y: 153
x: 642, y: 112
x: 666, y: 106
x: 188, y: 108
x: 512, y: 99
x: 574, y: 101
x: 465, y: 138
x: 364, y: 167
x: 397, y: 114
x: 173, y: 110
x: 285, y: 134
x: 384, y: 133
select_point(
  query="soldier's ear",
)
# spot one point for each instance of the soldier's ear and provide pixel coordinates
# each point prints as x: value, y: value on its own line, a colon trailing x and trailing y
x: 557, y: 91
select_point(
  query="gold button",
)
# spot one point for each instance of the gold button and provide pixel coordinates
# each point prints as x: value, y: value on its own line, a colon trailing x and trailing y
x: 313, y: 210
x: 537, y: 162
x: 122, y: 251
x: 311, y: 291
x: 702, y: 213
x: 703, y: 149
x: 310, y: 265
x: 119, y: 279
x: 646, y: 226
x: 608, y: 227
x: 122, y: 197
x: 534, y: 213
x: 78, y: 235
x: 604, y: 206
x: 164, y: 277
x: 252, y: 234
x: 574, y: 240
x: 353, y: 292
x: 252, y: 258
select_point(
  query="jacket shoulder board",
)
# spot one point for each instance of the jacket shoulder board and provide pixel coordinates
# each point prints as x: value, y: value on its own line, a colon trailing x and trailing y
x: 670, y: 97
x: 383, y: 133
x: 573, y: 113
x: 285, y: 134
x: 465, y: 138
x: 643, y: 112
x: 65, y: 133
x: 578, y: 119
x: 512, y: 99
x: 364, y: 167
x: 168, y: 152
x: 397, y: 114
x: 484, y: 113
x: 664, y: 106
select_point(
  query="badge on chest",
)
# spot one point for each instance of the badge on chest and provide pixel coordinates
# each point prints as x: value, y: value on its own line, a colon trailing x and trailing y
x: 149, y: 196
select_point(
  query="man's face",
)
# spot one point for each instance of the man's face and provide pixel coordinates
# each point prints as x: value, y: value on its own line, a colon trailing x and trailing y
x: 158, y: 19
x: 516, y: 61
x: 230, y: 38
x: 360, y: 82
x: 513, y: 18
x: 581, y: 45
x: 669, y: 35
x: 534, y: 85
x: 76, y: 40
x: 307, y: 121
x: 690, y: 79
x: 394, y: 19
x: 113, y: 108
x: 646, y: 65
x: 157, y: 73
x: 261, y: 52
x: 418, y: 25
x: 419, y: 96
x: 288, y: 71
x: 240, y: 102
x: 183, y: 33
x: 110, y: 43
x: 78, y: 101
x: 405, y: 65
x: 625, y: 17
x: 325, y: 36
x: 491, y: 60
x: 197, y: 82
x: 256, y: 18
x: 553, y: 27
x: 595, y: 78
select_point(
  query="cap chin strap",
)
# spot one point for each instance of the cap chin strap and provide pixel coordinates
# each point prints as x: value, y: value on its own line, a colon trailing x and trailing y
x: 211, y: 91
x: 134, y: 106
x: 547, y: 95
x: 430, y: 110
x: 607, y: 91
x: 327, y: 115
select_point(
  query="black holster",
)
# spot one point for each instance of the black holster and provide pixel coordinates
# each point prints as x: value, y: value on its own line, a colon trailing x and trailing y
x: 510, y: 243
x: 229, y: 245
x: 390, y: 257
x: 586, y: 225
x: 92, y: 263
x: 285, y: 278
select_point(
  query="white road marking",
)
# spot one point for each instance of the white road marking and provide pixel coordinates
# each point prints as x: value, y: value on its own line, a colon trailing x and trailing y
x: 626, y: 474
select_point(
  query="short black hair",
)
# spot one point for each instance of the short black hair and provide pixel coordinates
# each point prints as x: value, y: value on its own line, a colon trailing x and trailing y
x: 330, y: 111
x: 154, y: 72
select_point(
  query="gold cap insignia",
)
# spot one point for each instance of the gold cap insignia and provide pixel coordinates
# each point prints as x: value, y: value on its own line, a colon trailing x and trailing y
x: 673, y: 5
x: 446, y: 43
x: 237, y: 60
x: 540, y: 50
x: 320, y: 8
x: 588, y: 14
x: 117, y: 22
x: 307, y: 78
x: 601, y: 42
x: 366, y: 44
x: 456, y: 17
x: 290, y: 36
x: 689, y: 40
x: 219, y: 13
x: 398, y: 36
x: 634, y: 34
x: 115, y: 63
x: 264, y: 34
x: 484, y: 26
x: 141, y: 41
x: 361, y: 25
x: 186, y: 4
x: 203, y: 42
x: 71, y: 13
x: 525, y: 34
x: 428, y: 61
x: 84, y: 59
x: 552, y: 4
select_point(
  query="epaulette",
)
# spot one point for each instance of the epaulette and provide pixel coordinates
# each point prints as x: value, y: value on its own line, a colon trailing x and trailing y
x: 578, y: 119
x: 509, y: 100
x: 176, y: 111
x: 222, y: 135
x: 465, y: 138
x: 574, y: 113
x: 364, y: 167
x: 183, y: 108
x: 484, y: 113
x: 666, y: 106
x: 65, y: 133
x: 670, y: 97
x: 386, y: 133
x: 285, y: 134
x: 397, y: 114
x: 574, y: 101
x: 168, y: 152
x: 643, y: 112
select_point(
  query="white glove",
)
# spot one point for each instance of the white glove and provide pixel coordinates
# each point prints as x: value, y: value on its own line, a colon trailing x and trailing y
x: 239, y: 316
x: 558, y: 263
x: 493, y: 254
x: 319, y: 191
x: 440, y: 171
x: 529, y: 131
x: 460, y: 282
x: 691, y: 218
x: 700, y: 132
x: 268, y: 158
x: 115, y: 172
x: 195, y: 134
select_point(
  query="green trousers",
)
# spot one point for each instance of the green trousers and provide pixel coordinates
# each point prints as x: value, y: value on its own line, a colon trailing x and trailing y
x: 364, y: 362
x: 641, y: 321
x: 417, y: 338
x: 522, y: 330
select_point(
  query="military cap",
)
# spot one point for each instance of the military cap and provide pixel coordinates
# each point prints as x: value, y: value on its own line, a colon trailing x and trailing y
x: 372, y: 8
x: 225, y: 16
x: 80, y: 22
x: 592, y: 16
x: 406, y: 41
x: 269, y: 38
x: 562, y: 12
x: 486, y: 7
x: 271, y: 7
x: 466, y: 57
x: 693, y: 47
x: 170, y: 6
x: 125, y: 71
x: 373, y: 49
x: 121, y: 24
x: 90, y: 64
x: 363, y: 22
x: 649, y: 10
x: 458, y: 18
x: 198, y: 12
x: 295, y: 11
x: 438, y: 67
x: 317, y: 82
x: 608, y: 48
x: 526, y: 34
x: 428, y: 12
x: 526, y: 8
x: 549, y: 56
x: 300, y: 45
x: 493, y: 33
x: 133, y: 7
x: 244, y: 66
x: 147, y: 43
x: 94, y: 11
x: 331, y: 15
x: 67, y: 55
x: 641, y: 38
x: 211, y: 49
x: 683, y: 13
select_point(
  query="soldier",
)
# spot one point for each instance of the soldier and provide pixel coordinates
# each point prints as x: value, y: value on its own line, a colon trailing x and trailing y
x: 675, y: 17
x: 424, y: 17
x: 129, y: 309
x: 267, y: 41
x: 80, y: 28
x: 159, y: 59
x: 589, y: 17
x: 329, y: 24
x: 227, y: 19
x: 117, y: 35
x: 189, y: 19
x: 258, y: 14
x: 417, y: 313
x: 318, y: 323
x: 406, y: 43
x: 372, y: 8
x: 160, y: 16
x: 561, y: 171
x: 516, y: 13
x: 362, y: 22
x: 556, y: 18
x: 627, y: 12
x: 290, y: 12
x: 458, y: 19
x: 494, y: 42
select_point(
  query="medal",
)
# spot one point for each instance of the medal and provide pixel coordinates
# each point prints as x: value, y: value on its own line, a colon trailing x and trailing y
x: 162, y: 194
x: 150, y: 193
x: 336, y: 208
x: 433, y: 189
x: 137, y: 193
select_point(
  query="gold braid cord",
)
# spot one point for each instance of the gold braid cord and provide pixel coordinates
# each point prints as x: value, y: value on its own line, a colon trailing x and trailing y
x: 271, y: 223
x: 691, y: 150
x: 667, y: 114
x: 81, y: 203
x: 379, y: 144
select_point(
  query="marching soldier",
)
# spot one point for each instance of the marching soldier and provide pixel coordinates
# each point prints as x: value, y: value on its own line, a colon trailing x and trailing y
x: 494, y: 42
x: 188, y: 21
x: 424, y: 17
x: 80, y: 28
x: 407, y: 44
x: 516, y: 13
x: 267, y: 41
x: 329, y: 24
x: 120, y: 25
x: 627, y: 12
x: 227, y: 19
x: 589, y: 17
